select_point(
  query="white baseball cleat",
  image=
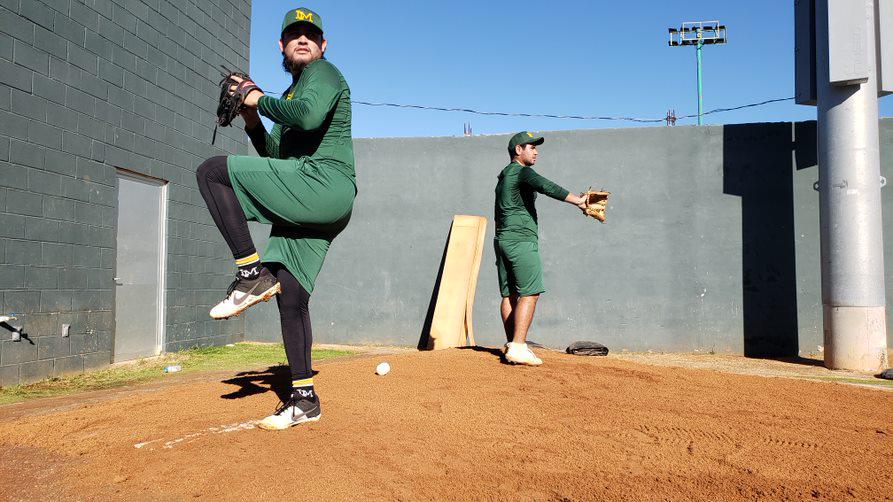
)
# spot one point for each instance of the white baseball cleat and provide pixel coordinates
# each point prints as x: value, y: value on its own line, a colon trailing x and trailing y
x: 243, y: 293
x: 520, y: 353
x: 295, y: 411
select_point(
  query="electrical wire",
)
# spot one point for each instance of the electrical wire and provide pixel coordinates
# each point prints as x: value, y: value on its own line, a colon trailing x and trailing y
x: 505, y: 114
x: 553, y: 116
x: 749, y: 105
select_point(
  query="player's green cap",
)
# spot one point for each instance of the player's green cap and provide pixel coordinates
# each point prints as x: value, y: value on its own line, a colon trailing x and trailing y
x: 523, y: 138
x: 301, y: 15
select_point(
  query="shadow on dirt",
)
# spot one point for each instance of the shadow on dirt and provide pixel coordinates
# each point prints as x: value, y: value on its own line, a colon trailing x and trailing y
x: 804, y: 361
x: 274, y: 378
x: 490, y: 350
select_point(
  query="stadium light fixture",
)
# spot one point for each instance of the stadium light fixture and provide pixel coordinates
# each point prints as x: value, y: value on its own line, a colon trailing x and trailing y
x: 698, y: 34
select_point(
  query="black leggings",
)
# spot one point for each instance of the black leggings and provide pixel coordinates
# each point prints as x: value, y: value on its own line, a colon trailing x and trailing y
x: 294, y: 315
x: 293, y: 301
x: 217, y: 190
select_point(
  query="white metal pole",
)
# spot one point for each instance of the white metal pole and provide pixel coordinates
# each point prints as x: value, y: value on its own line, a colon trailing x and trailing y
x: 853, y: 296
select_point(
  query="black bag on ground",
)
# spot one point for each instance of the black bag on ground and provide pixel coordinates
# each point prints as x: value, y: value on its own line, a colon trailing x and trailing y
x: 587, y: 349
x: 886, y: 374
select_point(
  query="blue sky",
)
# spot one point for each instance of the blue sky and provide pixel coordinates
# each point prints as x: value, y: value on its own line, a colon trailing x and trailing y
x: 560, y: 57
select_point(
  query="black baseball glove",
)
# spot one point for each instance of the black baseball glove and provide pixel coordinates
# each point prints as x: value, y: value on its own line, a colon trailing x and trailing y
x: 232, y: 97
x: 583, y: 348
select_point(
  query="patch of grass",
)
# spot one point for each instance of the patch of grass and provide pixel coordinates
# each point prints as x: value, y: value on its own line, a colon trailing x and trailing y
x: 237, y: 357
x: 862, y: 381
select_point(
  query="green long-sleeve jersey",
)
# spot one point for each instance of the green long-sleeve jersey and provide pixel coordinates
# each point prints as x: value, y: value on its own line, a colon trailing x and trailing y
x: 515, y: 211
x: 312, y: 119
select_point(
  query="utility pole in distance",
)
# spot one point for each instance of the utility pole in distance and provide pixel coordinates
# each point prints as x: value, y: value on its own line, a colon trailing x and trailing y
x: 698, y: 34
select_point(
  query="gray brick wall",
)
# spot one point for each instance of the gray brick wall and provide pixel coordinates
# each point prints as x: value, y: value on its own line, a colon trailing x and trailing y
x: 86, y: 87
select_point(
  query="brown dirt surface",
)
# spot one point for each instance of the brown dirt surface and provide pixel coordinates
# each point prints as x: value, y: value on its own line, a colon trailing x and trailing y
x: 811, y: 367
x: 459, y: 424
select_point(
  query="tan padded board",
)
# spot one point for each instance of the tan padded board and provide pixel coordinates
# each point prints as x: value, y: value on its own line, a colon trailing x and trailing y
x: 451, y: 325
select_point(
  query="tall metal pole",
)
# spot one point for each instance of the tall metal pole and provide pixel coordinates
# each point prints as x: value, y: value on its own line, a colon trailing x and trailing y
x: 700, y: 85
x: 853, y: 297
x: 698, y: 33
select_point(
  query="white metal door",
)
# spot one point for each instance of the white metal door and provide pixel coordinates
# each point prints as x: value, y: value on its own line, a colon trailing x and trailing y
x: 139, y: 275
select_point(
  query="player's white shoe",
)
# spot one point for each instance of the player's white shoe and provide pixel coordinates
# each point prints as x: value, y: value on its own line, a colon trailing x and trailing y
x: 520, y: 353
x: 296, y: 410
x: 243, y: 293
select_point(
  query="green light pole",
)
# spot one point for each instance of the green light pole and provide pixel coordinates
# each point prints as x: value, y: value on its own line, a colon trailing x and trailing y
x: 698, y: 34
x: 700, y: 84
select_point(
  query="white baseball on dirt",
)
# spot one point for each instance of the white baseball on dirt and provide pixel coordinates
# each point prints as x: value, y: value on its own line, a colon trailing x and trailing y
x: 382, y: 369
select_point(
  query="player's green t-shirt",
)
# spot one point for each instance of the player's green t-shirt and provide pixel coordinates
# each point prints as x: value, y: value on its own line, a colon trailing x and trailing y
x: 515, y: 212
x: 303, y: 183
x: 312, y: 119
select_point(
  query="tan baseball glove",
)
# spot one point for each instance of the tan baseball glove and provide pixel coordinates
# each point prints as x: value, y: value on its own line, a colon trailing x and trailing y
x: 596, y: 203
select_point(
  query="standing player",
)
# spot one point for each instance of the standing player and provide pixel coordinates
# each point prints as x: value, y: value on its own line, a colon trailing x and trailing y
x: 518, y: 262
x: 303, y: 184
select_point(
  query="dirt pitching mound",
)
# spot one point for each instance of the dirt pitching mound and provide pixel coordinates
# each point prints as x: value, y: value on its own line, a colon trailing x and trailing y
x: 459, y: 424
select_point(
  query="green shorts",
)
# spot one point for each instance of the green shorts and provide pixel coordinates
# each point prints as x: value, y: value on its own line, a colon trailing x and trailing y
x: 307, y: 204
x: 519, y: 268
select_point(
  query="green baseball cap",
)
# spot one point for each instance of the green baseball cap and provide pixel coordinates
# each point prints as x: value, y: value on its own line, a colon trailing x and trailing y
x: 524, y: 138
x: 301, y: 15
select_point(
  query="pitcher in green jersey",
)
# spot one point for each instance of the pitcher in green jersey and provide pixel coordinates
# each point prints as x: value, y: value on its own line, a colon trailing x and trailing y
x: 303, y: 184
x: 518, y: 263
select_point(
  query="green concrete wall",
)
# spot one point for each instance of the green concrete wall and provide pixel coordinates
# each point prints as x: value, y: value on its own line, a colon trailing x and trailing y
x: 711, y: 242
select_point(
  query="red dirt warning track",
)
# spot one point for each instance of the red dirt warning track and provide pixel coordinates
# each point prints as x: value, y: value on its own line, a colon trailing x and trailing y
x: 459, y: 424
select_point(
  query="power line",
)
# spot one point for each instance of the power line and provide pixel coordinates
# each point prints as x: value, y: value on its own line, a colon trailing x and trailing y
x: 504, y: 114
x: 749, y: 105
x: 552, y: 116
